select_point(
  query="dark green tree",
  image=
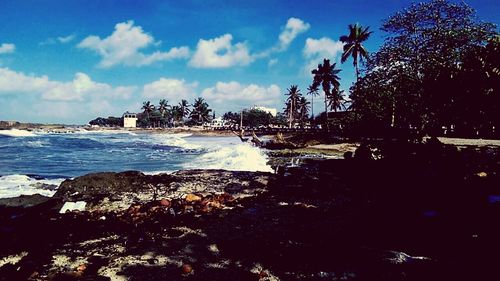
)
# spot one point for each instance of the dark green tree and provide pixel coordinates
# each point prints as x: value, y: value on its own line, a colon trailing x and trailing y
x: 200, y: 112
x: 353, y: 45
x: 326, y: 75
x: 291, y: 104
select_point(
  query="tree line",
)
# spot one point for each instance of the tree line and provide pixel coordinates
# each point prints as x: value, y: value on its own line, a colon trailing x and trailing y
x: 438, y: 69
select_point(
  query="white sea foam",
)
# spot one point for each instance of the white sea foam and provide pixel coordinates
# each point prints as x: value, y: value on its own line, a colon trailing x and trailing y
x: 17, y: 133
x: 239, y: 157
x: 16, y: 185
x: 175, y: 140
x: 37, y: 144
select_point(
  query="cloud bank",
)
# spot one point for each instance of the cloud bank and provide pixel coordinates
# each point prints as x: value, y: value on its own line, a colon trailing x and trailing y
x: 124, y: 45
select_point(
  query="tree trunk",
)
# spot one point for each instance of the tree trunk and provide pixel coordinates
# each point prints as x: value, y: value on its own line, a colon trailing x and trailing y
x: 326, y: 115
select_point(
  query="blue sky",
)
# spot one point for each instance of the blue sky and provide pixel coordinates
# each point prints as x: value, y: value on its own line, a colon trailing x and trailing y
x: 71, y: 61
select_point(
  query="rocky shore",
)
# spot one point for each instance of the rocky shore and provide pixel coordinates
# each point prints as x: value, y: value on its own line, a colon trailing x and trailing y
x: 419, y: 212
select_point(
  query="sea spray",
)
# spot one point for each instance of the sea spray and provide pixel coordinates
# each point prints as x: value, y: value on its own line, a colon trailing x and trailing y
x: 240, y: 157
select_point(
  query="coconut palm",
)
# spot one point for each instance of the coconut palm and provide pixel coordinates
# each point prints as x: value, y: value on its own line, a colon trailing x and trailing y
x: 312, y: 91
x: 291, y: 108
x: 327, y: 76
x: 148, y: 108
x: 184, y: 108
x: 163, y: 108
x: 353, y: 45
x: 303, y: 106
x: 200, y: 111
x: 336, y: 100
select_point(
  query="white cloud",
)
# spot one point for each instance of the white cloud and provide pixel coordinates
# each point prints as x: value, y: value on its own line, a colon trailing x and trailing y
x: 293, y: 27
x: 233, y: 95
x: 272, y: 62
x: 7, y: 48
x: 124, y: 44
x: 315, y: 50
x: 220, y: 52
x: 66, y: 39
x: 81, y: 88
x: 169, y: 89
x: 60, y: 39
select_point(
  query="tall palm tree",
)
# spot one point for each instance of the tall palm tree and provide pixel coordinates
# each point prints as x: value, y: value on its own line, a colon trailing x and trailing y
x: 353, y: 45
x: 184, y: 108
x: 303, y: 106
x: 312, y: 91
x: 291, y: 103
x: 327, y: 76
x: 148, y: 108
x: 163, y: 107
x: 200, y: 111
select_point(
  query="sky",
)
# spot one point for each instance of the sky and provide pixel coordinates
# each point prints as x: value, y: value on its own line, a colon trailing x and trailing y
x: 72, y: 61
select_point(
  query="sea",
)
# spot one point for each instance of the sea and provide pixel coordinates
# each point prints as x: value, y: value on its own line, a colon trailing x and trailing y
x: 33, y: 161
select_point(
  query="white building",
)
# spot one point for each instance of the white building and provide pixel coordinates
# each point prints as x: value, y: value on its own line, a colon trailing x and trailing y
x: 269, y: 110
x: 129, y: 120
x: 214, y: 123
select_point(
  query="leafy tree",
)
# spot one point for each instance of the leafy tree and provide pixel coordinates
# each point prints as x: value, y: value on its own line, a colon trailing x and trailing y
x: 353, y: 46
x: 327, y: 76
x: 419, y: 73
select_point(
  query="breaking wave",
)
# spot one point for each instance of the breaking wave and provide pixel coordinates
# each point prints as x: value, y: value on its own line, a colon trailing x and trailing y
x: 239, y: 157
x: 17, y: 133
x: 17, y: 185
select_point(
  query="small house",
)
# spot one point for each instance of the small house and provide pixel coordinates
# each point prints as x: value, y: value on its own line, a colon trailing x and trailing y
x: 129, y: 120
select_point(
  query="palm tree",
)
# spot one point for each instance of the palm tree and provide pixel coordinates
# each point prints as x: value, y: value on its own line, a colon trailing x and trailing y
x: 327, y: 76
x: 303, y: 108
x: 163, y: 107
x: 200, y: 111
x: 336, y: 100
x: 184, y: 108
x: 353, y: 45
x: 291, y: 103
x: 312, y: 91
x: 148, y: 108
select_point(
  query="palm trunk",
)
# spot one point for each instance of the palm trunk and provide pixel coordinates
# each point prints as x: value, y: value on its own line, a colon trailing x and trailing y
x: 357, y: 70
x: 312, y: 106
x: 326, y: 115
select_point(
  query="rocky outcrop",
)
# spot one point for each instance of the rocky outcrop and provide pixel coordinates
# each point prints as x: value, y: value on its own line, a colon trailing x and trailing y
x: 118, y: 191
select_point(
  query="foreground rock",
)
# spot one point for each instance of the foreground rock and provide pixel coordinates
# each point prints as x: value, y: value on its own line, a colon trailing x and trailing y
x: 118, y: 191
x: 419, y: 214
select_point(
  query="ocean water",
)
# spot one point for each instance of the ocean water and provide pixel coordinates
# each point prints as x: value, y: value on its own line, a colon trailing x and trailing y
x: 33, y: 162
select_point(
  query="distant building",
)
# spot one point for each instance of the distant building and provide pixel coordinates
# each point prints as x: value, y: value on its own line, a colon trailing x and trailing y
x: 214, y: 123
x: 271, y: 111
x: 129, y: 120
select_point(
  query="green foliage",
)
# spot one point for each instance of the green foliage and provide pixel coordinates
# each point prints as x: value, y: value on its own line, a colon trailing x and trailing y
x: 353, y: 46
x: 107, y: 122
x: 426, y: 74
x: 200, y: 112
x: 251, y: 118
x: 327, y: 76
